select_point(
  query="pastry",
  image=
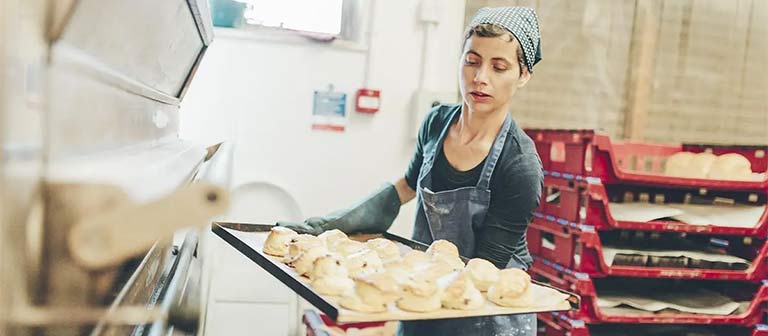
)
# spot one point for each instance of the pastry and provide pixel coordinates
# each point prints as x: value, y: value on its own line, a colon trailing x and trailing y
x: 731, y: 166
x: 420, y: 294
x: 364, y: 263
x: 299, y: 244
x: 482, y: 272
x: 277, y: 241
x: 443, y: 247
x: 385, y: 248
x: 414, y: 259
x: 306, y: 259
x: 347, y: 247
x: 461, y: 294
x: 330, y: 277
x: 512, y: 289
x: 373, y: 293
x: 330, y: 238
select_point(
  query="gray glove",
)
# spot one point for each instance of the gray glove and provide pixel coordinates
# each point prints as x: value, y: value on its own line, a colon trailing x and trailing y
x: 374, y: 214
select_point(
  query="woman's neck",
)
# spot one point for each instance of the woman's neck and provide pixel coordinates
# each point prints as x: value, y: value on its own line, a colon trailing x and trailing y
x: 472, y: 127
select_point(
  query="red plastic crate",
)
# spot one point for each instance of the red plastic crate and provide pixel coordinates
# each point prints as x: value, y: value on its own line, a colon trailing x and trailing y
x: 585, y: 154
x: 590, y: 313
x: 594, y: 198
x: 552, y: 325
x: 581, y: 250
x: 556, y: 324
x: 315, y: 324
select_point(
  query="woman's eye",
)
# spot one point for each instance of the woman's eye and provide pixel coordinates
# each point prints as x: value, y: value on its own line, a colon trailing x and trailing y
x: 499, y: 69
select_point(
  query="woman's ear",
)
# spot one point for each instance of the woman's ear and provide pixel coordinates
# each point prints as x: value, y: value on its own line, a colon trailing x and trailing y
x: 524, y: 78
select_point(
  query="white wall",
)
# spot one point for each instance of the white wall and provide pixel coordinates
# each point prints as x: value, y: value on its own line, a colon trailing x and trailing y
x: 258, y: 93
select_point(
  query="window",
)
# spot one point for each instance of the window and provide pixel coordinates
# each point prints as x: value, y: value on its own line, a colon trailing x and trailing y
x: 325, y: 17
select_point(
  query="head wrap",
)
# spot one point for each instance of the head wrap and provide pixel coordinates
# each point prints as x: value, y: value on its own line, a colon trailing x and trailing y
x: 521, y: 22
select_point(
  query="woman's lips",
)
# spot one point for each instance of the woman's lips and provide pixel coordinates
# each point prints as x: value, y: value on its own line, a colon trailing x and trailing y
x: 479, y: 96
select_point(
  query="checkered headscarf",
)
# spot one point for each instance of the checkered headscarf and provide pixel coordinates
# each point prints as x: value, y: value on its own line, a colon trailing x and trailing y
x: 521, y: 22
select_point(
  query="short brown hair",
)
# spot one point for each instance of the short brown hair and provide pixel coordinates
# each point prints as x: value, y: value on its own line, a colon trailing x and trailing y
x: 493, y: 30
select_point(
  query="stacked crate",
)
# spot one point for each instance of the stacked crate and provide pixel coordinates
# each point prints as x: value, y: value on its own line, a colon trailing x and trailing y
x: 584, y: 173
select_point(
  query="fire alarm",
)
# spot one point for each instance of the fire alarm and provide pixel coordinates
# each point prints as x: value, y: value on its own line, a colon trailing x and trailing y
x: 367, y: 101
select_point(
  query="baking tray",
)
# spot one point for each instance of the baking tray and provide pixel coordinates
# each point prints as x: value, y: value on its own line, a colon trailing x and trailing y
x: 249, y: 240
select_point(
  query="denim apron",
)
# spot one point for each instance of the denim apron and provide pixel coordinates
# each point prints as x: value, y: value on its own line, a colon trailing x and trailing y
x: 454, y: 215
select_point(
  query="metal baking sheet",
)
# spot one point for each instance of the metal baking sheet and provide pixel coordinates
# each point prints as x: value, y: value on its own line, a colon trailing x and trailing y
x: 249, y: 240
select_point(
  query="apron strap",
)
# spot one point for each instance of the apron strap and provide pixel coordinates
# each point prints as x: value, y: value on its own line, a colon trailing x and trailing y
x: 494, y: 154
x: 431, y: 154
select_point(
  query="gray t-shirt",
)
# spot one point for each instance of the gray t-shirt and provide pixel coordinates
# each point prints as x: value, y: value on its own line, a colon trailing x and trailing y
x: 515, y: 185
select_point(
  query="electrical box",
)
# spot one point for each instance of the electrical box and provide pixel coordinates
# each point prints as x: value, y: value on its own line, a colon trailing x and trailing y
x: 368, y: 101
x: 424, y: 101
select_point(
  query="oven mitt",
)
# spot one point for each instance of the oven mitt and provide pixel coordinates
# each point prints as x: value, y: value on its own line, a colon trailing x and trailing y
x: 374, y: 214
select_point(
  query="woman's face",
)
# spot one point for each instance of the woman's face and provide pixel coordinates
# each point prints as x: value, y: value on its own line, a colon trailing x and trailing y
x: 489, y: 73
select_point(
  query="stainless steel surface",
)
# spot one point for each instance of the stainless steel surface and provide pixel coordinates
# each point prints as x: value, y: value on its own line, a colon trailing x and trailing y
x: 89, y: 114
x: 155, y: 43
x: 23, y: 53
x: 181, y: 306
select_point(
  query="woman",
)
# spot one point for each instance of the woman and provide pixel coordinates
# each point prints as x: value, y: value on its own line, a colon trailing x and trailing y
x: 475, y: 174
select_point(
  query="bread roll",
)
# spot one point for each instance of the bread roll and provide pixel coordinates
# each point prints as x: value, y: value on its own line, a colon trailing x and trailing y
x: 434, y: 270
x: 373, y: 293
x: 348, y: 247
x: 329, y: 265
x: 414, y: 259
x: 461, y: 294
x: 398, y: 270
x: 330, y: 277
x: 330, y: 238
x: 443, y: 247
x: 333, y: 285
x: 731, y: 166
x: 299, y: 244
x: 482, y: 272
x: 420, y: 294
x: 700, y: 165
x: 451, y: 260
x: 277, y: 241
x: 512, y: 289
x: 677, y: 164
x: 306, y: 259
x: 354, y: 302
x: 364, y: 263
x: 385, y: 248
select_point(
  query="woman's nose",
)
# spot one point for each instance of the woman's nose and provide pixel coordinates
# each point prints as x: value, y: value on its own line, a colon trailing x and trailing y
x: 481, y: 76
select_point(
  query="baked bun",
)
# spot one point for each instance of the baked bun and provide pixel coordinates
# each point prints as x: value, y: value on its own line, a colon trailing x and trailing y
x: 700, y: 165
x: 299, y: 244
x: 348, y: 247
x: 364, y: 263
x: 461, y: 294
x: 731, y: 166
x: 333, y: 285
x: 420, y: 294
x: 330, y: 238
x: 306, y: 259
x: 434, y: 270
x: 442, y: 246
x: 373, y: 293
x: 398, y: 270
x: 482, y: 272
x: 328, y: 265
x: 385, y: 248
x: 415, y: 258
x: 451, y: 260
x: 330, y: 277
x: 512, y: 289
x: 277, y: 241
x: 677, y: 164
